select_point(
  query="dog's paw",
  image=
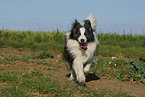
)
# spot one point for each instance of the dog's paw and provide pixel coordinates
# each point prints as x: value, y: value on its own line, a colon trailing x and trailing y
x: 87, y: 69
x: 82, y: 83
x: 81, y: 80
x: 71, y: 78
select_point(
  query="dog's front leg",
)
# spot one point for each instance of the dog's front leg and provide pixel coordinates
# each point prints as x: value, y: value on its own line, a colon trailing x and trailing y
x: 78, y: 68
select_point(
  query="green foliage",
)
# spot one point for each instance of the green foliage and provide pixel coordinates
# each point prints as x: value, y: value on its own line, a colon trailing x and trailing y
x: 33, y: 40
x: 44, y: 62
x: 44, y: 55
x: 120, y: 69
x: 109, y: 66
x: 135, y: 72
x: 123, y: 40
x: 55, y: 40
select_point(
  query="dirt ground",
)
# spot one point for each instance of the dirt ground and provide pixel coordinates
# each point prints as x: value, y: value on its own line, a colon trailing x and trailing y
x: 61, y: 73
x: 98, y: 83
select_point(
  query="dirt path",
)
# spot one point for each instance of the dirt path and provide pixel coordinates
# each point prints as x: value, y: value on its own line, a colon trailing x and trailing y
x: 92, y: 80
x: 119, y: 86
x: 99, y: 83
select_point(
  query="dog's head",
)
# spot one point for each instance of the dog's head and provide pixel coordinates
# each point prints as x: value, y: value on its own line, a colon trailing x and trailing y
x: 83, y: 34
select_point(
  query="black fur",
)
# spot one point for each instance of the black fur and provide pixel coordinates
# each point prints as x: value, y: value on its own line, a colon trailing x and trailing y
x: 89, y: 31
x: 75, y: 33
x: 67, y: 56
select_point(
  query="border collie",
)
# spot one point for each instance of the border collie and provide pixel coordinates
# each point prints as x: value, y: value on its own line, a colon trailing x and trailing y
x: 80, y: 48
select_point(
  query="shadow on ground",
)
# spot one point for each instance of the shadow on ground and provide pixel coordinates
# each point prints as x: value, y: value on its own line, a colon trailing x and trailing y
x: 89, y: 77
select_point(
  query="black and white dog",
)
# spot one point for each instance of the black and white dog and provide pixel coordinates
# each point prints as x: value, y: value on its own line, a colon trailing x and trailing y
x: 80, y: 48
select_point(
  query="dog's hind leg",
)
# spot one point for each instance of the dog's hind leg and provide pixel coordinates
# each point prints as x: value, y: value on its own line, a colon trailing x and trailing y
x: 87, y: 68
x: 72, y: 75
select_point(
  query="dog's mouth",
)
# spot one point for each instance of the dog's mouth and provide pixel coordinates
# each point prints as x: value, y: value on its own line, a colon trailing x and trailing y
x: 83, y: 46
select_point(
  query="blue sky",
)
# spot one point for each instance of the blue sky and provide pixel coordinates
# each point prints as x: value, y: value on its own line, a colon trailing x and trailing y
x: 48, y: 15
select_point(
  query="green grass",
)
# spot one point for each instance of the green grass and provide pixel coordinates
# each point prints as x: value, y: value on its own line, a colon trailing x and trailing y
x: 44, y: 55
x: 117, y: 51
x: 118, y: 68
x: 123, y: 40
x: 33, y: 40
x: 55, y: 40
x: 32, y: 82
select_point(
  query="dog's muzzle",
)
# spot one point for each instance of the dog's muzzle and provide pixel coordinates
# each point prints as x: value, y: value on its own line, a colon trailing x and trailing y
x: 83, y: 46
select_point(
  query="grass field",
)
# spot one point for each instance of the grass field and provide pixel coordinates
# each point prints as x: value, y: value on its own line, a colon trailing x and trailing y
x: 31, y: 64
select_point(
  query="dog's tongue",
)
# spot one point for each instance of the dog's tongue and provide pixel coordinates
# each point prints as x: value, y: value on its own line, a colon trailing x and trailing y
x: 84, y: 47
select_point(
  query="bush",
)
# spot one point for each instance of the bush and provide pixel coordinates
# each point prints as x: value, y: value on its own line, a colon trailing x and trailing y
x: 135, y: 71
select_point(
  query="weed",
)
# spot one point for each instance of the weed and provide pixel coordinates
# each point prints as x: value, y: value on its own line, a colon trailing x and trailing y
x: 25, y: 59
x: 2, y: 69
x: 45, y: 63
x: 44, y: 55
x: 120, y: 69
x: 135, y: 71
x: 109, y: 66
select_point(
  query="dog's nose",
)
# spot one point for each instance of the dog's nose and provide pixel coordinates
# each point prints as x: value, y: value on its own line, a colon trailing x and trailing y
x: 82, y: 40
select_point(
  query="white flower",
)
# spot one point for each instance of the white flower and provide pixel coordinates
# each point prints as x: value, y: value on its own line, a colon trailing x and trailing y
x: 113, y: 58
x: 115, y: 65
x: 109, y: 62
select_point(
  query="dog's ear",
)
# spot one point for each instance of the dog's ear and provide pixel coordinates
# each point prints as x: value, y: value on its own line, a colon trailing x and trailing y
x: 75, y: 29
x: 87, y: 25
x: 76, y: 24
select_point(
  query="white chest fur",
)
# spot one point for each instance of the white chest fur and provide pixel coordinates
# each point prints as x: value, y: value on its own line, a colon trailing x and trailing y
x: 83, y: 55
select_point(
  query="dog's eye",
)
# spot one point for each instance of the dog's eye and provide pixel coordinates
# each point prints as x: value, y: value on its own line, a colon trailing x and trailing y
x: 78, y: 33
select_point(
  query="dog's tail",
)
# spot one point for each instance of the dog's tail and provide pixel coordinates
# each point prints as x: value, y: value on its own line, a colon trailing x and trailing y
x: 93, y: 21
